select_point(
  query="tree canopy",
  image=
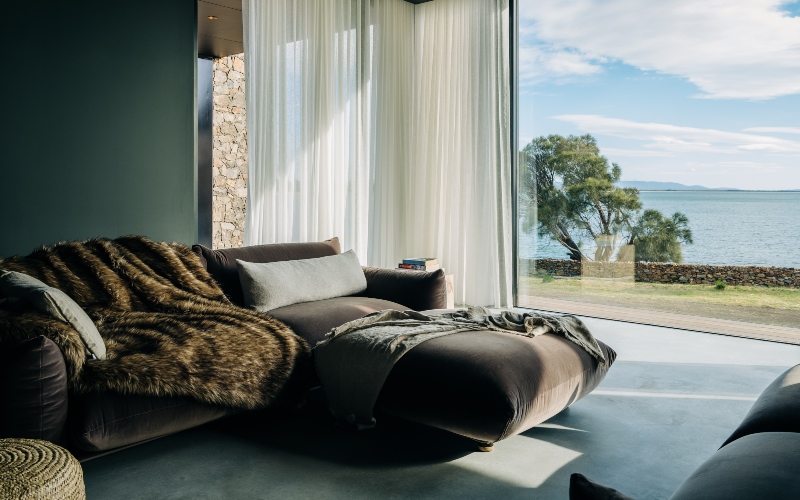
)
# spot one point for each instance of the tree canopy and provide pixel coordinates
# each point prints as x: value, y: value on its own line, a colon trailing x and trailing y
x: 568, y: 192
x: 658, y: 238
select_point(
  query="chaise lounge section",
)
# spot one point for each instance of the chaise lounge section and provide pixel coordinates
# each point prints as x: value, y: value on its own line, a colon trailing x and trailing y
x: 488, y: 385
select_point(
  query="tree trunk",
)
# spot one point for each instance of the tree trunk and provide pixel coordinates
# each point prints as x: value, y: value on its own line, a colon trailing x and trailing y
x: 566, y: 240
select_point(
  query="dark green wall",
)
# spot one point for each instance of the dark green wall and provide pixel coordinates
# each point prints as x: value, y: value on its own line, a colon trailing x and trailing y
x: 97, y: 121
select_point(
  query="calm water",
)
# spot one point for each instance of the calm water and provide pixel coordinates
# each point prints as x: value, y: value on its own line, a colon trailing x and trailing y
x: 729, y: 227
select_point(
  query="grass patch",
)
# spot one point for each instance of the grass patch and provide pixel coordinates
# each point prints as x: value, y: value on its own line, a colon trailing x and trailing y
x: 775, y: 306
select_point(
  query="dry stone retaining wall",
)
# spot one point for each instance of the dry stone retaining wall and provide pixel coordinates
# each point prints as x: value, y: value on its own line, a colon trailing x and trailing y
x: 556, y: 267
x: 659, y: 272
x: 229, y: 199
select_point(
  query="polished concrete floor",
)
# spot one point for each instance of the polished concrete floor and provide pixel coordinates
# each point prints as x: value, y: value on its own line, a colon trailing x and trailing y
x: 669, y: 401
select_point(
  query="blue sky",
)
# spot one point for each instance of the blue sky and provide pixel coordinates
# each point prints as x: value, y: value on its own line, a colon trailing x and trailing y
x: 697, y: 92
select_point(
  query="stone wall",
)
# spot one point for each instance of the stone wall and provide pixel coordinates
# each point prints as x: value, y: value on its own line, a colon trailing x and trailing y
x: 732, y: 275
x: 658, y: 272
x: 230, y: 152
x: 555, y: 267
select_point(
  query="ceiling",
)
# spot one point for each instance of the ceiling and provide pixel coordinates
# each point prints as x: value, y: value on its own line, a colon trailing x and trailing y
x: 224, y: 36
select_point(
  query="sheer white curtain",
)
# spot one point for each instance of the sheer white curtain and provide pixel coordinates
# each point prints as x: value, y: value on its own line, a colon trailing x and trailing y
x: 460, y: 190
x: 387, y: 125
x: 392, y: 87
x: 314, y: 129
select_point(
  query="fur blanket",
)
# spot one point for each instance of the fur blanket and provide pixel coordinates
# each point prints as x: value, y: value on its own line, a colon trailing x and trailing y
x: 168, y: 328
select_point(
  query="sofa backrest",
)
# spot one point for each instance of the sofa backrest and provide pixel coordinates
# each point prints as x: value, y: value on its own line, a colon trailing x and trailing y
x: 221, y: 264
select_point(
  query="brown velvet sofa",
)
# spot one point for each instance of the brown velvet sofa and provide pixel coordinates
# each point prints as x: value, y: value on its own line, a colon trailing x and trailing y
x: 483, y: 385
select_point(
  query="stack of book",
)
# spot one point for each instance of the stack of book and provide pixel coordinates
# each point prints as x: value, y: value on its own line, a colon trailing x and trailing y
x: 420, y: 264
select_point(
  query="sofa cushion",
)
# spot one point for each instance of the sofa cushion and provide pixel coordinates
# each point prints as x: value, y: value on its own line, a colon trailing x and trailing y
x: 312, y: 320
x: 417, y: 290
x: 776, y: 410
x: 33, y: 390
x: 101, y: 421
x: 221, y: 264
x: 271, y: 285
x: 489, y: 385
x: 56, y: 304
x: 763, y: 465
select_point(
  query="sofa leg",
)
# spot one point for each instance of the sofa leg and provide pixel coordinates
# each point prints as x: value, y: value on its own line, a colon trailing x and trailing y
x: 486, y: 447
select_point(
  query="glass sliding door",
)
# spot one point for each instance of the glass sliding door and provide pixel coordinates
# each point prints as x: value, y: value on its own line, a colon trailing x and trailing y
x: 659, y: 159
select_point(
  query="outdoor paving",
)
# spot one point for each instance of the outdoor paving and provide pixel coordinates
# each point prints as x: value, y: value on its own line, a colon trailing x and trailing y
x: 666, y: 319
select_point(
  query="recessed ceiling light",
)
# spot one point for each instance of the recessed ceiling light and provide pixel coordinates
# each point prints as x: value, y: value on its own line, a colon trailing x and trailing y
x: 213, y: 18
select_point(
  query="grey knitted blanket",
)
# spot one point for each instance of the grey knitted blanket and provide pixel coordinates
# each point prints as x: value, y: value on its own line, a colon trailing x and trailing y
x: 355, y: 359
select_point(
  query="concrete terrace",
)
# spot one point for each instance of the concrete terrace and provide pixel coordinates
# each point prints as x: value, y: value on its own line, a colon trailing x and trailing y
x: 668, y: 403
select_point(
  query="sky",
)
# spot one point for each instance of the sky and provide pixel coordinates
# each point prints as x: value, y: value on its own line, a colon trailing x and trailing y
x: 692, y: 91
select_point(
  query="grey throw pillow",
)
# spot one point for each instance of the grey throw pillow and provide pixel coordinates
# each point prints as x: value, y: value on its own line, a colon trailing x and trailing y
x: 56, y: 304
x: 276, y: 284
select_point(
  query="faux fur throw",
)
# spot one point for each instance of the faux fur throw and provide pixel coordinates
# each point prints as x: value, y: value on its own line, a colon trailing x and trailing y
x: 167, y: 326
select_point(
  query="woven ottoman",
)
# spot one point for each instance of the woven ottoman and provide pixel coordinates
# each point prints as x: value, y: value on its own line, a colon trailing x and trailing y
x: 34, y: 469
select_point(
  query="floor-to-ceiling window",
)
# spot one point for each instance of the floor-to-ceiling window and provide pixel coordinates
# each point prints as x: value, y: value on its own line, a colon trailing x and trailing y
x: 660, y: 158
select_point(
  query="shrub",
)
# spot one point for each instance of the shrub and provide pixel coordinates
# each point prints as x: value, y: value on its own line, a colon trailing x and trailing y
x: 720, y: 285
x: 547, y: 278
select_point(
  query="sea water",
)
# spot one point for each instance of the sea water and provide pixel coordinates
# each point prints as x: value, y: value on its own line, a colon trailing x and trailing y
x: 737, y: 228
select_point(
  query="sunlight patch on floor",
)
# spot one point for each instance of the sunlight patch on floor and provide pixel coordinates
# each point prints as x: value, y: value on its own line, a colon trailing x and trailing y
x: 671, y: 395
x: 536, y: 460
x: 557, y: 427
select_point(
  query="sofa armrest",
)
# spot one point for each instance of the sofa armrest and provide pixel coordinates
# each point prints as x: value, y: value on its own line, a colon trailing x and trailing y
x: 33, y: 390
x: 417, y: 290
x: 776, y: 410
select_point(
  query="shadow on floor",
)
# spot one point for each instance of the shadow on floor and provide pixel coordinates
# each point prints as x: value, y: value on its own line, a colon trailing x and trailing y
x: 312, y: 432
x: 643, y: 446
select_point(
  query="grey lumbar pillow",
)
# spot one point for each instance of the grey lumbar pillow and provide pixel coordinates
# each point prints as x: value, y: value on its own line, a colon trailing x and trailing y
x: 55, y: 303
x: 276, y: 284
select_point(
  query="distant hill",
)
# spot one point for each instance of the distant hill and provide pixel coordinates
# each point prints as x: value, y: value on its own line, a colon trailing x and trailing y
x: 667, y: 186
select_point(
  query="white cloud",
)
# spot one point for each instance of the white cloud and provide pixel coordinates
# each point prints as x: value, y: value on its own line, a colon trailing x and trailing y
x: 733, y: 49
x: 728, y: 165
x: 774, y: 130
x: 633, y: 152
x: 678, y: 139
x: 539, y: 62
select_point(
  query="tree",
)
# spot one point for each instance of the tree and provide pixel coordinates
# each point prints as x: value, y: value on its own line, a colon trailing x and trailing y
x: 658, y: 238
x: 568, y: 192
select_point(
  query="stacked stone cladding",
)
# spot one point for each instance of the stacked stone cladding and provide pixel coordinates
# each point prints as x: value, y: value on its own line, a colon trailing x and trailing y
x: 700, y: 274
x: 229, y: 199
